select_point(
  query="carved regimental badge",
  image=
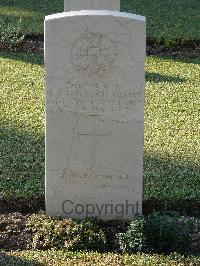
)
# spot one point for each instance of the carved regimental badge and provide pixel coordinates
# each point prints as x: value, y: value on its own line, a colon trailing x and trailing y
x: 94, y: 54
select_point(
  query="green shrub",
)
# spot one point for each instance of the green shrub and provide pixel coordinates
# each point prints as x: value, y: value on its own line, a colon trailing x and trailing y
x: 10, y: 32
x: 158, y: 233
x: 167, y: 234
x: 65, y: 233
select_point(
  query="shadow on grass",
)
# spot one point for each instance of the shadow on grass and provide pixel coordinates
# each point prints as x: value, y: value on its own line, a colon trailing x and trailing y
x: 38, y: 58
x: 171, y: 185
x: 21, y: 170
x: 32, y: 58
x: 156, y: 78
x: 168, y: 183
x: 9, y: 260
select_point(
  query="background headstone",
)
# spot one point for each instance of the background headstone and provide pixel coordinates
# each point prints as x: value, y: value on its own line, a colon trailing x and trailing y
x: 70, y: 5
x: 94, y: 114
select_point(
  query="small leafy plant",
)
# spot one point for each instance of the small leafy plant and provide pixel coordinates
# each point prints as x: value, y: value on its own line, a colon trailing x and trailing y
x: 167, y: 234
x: 65, y: 233
x: 160, y: 233
x: 133, y: 239
x: 10, y: 32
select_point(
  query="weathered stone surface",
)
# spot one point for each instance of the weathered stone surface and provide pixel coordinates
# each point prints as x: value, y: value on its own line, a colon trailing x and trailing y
x: 94, y: 114
x: 77, y: 5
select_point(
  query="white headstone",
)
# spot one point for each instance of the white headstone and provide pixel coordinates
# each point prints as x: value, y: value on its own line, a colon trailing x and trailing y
x: 94, y: 114
x: 70, y: 5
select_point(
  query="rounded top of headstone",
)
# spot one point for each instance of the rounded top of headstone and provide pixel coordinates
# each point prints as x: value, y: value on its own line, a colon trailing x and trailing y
x: 95, y: 13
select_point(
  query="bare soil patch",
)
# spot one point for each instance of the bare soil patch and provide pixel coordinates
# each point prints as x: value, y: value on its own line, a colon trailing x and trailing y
x: 33, y: 44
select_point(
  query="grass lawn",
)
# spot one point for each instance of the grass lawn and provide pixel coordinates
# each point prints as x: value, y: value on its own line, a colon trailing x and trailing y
x: 21, y: 126
x: 166, y: 19
x: 52, y: 257
x: 172, y: 130
x: 172, y: 133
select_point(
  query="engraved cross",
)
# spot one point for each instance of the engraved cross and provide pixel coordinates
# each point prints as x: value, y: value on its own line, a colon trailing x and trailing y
x: 94, y: 136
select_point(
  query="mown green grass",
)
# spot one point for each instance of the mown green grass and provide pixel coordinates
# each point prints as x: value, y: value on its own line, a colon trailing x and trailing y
x: 172, y: 133
x: 172, y: 130
x: 21, y: 126
x: 31, y: 13
x: 59, y: 258
x: 166, y: 19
